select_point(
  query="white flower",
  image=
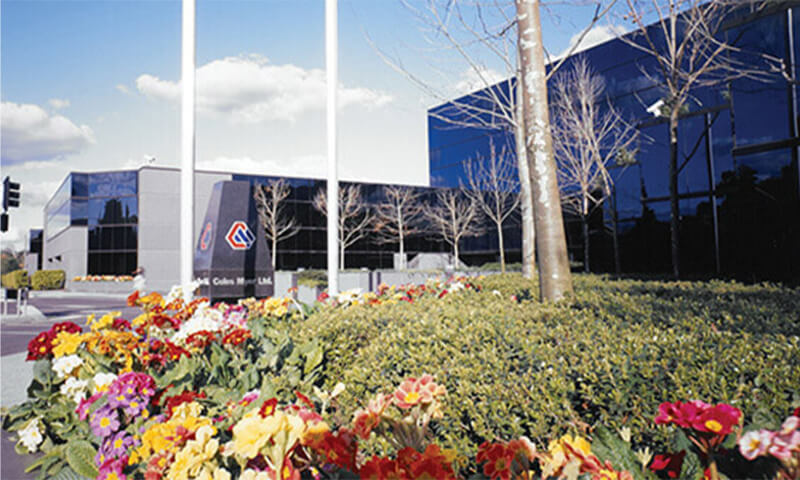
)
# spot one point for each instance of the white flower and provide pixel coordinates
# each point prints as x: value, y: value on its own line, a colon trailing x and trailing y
x: 204, y: 318
x: 65, y: 365
x: 31, y: 436
x: 186, y: 292
x: 102, y: 380
x: 496, y: 292
x: 74, y: 389
x: 348, y: 296
x: 456, y: 286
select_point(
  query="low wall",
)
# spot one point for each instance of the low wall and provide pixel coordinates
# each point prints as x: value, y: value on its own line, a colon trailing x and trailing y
x: 100, y: 287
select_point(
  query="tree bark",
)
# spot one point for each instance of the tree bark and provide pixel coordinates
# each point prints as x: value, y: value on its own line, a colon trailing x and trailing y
x: 502, y: 248
x: 555, y: 281
x: 274, y: 252
x: 526, y: 200
x: 673, y: 195
x: 585, y: 225
x: 341, y: 255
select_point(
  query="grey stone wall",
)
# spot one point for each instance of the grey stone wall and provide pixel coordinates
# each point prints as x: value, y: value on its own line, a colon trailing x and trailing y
x: 71, y: 246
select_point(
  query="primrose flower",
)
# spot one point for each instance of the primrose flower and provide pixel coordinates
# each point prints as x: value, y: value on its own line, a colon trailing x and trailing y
x: 31, y: 436
x: 74, y: 389
x: 104, y: 422
x: 112, y: 469
x: 66, y: 343
x: 191, y: 460
x: 755, y: 444
x: 102, y: 381
x: 417, y: 391
x: 66, y: 365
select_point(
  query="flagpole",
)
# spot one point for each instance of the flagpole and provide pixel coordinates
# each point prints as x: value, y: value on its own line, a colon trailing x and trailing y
x: 331, y: 70
x: 187, y: 141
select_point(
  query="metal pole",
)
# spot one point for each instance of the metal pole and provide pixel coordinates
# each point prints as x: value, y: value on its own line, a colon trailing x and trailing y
x: 332, y: 74
x: 712, y: 193
x: 187, y: 141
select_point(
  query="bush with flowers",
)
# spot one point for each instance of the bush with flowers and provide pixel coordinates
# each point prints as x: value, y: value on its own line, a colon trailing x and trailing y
x: 103, y: 278
x: 192, y: 390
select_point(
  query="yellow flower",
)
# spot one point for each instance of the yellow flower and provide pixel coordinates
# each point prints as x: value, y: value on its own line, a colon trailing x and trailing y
x: 558, y: 455
x: 104, y: 322
x: 253, y: 432
x: 66, y: 344
x: 196, y: 456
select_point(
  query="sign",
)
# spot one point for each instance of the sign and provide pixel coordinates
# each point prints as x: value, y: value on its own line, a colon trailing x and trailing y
x: 205, y: 237
x: 240, y: 237
x: 232, y: 259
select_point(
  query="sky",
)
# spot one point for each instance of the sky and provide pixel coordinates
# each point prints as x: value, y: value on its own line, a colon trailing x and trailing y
x: 95, y: 85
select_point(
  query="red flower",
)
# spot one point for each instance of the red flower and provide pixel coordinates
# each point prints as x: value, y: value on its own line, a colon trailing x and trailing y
x: 65, y: 327
x: 121, y: 324
x: 719, y: 419
x: 796, y: 412
x: 174, y: 352
x: 41, y: 346
x: 175, y: 401
x: 268, y: 407
x: 236, y: 336
x: 200, y: 339
x: 497, y: 460
x: 671, y: 463
x: 304, y: 399
x: 379, y: 468
x: 444, y: 292
x: 322, y: 296
x: 339, y: 448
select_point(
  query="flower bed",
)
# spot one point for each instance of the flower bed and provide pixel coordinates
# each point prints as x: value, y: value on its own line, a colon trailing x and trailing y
x: 192, y: 390
x: 103, y: 278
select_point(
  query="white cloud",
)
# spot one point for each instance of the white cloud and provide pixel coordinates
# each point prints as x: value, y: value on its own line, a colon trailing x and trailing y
x: 58, y: 103
x: 305, y: 166
x: 29, y: 133
x: 595, y: 36
x: 123, y: 88
x: 472, y: 80
x: 249, y: 89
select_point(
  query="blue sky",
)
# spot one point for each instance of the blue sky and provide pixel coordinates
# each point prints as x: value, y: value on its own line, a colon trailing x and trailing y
x: 91, y: 85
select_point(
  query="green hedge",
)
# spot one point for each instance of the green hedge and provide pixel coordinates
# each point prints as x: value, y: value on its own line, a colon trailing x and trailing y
x: 15, y: 280
x: 610, y: 355
x: 48, y: 279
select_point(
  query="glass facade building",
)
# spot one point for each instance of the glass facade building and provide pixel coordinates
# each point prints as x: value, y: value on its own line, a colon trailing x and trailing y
x: 738, y: 177
x: 106, y: 203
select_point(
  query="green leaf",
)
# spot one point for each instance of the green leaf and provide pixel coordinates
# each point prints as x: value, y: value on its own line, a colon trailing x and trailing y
x: 80, y: 457
x: 313, y: 358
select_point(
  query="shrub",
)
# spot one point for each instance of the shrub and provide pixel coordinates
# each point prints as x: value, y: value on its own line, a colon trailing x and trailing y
x: 610, y: 355
x: 48, y: 279
x: 312, y: 278
x: 15, y: 280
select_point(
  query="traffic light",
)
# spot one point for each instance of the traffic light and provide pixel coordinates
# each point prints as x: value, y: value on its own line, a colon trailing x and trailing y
x: 10, y: 194
x: 3, y: 222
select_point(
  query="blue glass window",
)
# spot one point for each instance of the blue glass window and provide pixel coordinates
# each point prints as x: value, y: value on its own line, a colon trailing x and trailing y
x: 112, y: 184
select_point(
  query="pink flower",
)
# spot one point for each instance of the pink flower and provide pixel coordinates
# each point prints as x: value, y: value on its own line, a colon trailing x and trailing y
x: 791, y: 424
x: 719, y: 419
x: 417, y: 391
x: 780, y: 448
x: 755, y: 444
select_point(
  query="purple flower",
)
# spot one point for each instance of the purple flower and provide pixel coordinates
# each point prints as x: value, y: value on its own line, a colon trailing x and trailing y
x: 134, y: 406
x: 104, y: 422
x: 118, y: 400
x: 116, y: 446
x: 83, y: 406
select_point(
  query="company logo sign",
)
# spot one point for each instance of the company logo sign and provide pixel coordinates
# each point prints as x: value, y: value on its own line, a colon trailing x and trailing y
x: 239, y: 237
x: 205, y: 238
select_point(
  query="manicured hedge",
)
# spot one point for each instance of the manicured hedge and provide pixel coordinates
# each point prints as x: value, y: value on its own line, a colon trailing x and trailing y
x: 48, y: 279
x: 611, y: 355
x: 16, y: 279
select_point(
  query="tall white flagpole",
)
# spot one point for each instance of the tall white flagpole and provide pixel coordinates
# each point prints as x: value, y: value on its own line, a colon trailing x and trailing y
x: 332, y: 74
x: 187, y: 141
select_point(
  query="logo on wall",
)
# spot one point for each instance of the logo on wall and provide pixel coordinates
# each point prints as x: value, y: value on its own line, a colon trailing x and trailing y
x: 205, y: 238
x: 239, y: 236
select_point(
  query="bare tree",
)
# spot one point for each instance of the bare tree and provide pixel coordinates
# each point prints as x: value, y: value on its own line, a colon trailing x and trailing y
x: 354, y: 216
x: 555, y: 280
x: 397, y: 216
x: 494, y: 187
x: 454, y: 216
x: 472, y: 32
x: 690, y: 52
x: 589, y: 135
x: 277, y: 224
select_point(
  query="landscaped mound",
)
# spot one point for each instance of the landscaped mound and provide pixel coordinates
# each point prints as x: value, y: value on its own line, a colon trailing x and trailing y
x: 419, y: 380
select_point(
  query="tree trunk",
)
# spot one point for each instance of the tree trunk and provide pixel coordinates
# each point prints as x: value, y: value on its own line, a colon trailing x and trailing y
x: 615, y: 233
x: 455, y: 255
x: 526, y: 198
x: 502, y: 248
x: 673, y: 195
x: 341, y: 255
x: 555, y: 281
x: 585, y: 225
x: 274, y: 251
x: 402, y: 254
